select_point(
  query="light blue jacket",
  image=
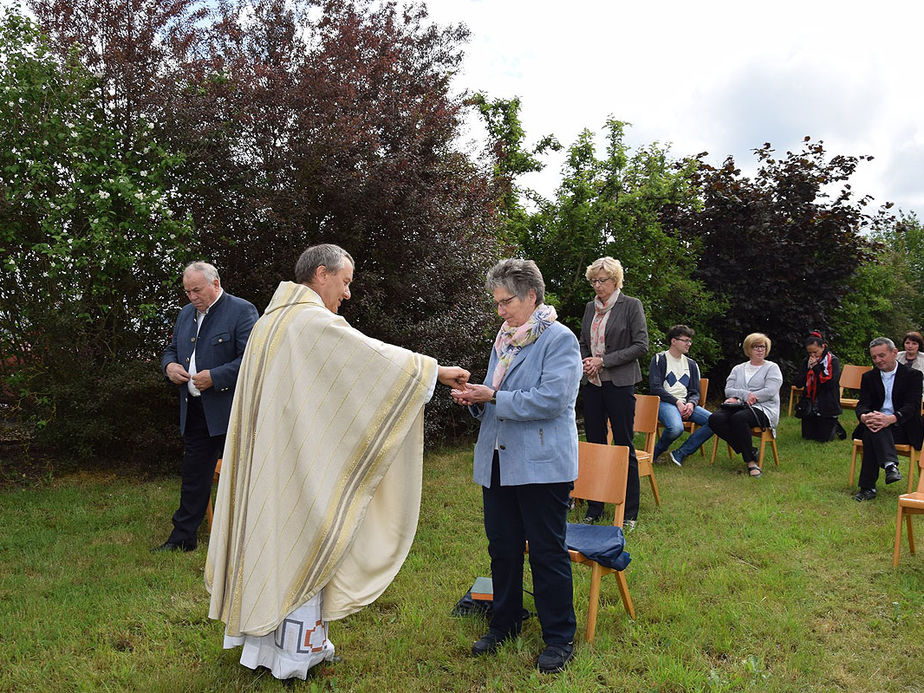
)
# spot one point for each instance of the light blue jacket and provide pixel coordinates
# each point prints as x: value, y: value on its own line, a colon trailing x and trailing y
x: 533, y: 421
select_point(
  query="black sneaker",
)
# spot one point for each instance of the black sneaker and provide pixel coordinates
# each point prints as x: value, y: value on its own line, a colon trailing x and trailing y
x: 490, y: 641
x: 554, y: 658
x: 592, y: 519
x: 865, y: 494
x: 892, y: 473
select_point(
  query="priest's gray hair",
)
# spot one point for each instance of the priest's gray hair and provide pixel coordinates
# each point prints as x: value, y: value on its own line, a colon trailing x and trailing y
x: 517, y: 277
x: 322, y: 255
x: 209, y: 271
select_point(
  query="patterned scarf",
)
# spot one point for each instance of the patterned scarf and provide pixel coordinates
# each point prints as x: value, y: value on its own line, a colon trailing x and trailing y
x: 511, y: 339
x: 813, y: 379
x: 598, y: 330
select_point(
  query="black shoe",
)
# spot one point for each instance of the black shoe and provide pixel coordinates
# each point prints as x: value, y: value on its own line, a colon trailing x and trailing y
x: 174, y: 546
x: 592, y: 519
x: 892, y: 473
x: 490, y: 641
x: 865, y: 494
x: 554, y: 658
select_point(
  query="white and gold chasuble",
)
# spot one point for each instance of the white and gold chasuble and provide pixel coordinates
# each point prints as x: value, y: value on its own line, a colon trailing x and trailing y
x: 321, y: 473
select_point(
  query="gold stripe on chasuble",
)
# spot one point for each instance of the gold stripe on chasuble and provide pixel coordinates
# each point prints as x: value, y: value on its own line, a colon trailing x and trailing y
x: 380, y: 442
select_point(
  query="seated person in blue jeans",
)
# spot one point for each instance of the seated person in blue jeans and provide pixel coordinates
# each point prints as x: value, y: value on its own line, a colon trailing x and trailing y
x: 674, y: 377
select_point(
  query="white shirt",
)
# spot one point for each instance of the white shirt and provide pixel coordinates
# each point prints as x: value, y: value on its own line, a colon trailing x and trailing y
x: 193, y: 390
x: 888, y: 381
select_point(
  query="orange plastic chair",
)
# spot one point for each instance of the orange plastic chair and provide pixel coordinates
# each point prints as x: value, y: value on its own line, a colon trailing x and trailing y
x: 689, y: 426
x: 208, y: 510
x: 909, y: 504
x: 904, y: 450
x: 765, y: 437
x: 646, y: 421
x: 850, y: 380
x: 602, y: 474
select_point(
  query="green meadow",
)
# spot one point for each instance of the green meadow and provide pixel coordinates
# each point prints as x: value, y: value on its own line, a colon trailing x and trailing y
x: 782, y: 583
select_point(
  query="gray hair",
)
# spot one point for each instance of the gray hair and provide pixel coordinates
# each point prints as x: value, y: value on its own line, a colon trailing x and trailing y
x: 209, y: 271
x: 323, y: 255
x: 518, y: 277
x: 879, y: 341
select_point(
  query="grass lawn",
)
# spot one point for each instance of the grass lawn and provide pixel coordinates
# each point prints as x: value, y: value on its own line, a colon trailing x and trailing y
x: 775, y: 584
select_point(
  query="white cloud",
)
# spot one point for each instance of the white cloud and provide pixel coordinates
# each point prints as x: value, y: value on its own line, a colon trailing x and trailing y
x: 722, y: 77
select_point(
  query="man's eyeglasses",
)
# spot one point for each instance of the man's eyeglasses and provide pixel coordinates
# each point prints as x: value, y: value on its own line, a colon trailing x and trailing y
x: 685, y: 340
x: 594, y: 282
x: 504, y: 302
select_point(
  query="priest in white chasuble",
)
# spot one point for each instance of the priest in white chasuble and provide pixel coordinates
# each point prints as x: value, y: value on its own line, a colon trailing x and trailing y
x: 320, y: 485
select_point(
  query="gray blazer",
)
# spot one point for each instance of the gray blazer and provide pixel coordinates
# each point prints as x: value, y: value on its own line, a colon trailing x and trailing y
x: 765, y: 383
x: 626, y: 340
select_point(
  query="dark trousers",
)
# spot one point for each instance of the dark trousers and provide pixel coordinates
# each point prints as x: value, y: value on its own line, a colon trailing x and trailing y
x: 200, y: 453
x: 537, y: 513
x: 616, y: 405
x: 734, y: 427
x: 878, y: 451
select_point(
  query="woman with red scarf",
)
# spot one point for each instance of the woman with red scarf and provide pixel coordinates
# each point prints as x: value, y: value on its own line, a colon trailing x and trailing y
x: 820, y: 406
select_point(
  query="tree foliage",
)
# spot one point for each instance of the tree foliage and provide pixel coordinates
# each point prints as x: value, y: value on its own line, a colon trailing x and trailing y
x: 86, y: 227
x: 270, y: 126
x: 781, y: 250
x: 614, y: 206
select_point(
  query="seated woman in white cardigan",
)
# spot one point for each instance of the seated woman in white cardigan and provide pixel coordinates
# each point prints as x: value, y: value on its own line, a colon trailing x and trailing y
x: 753, y: 399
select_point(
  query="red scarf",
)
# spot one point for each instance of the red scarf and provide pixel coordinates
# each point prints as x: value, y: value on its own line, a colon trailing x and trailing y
x: 813, y: 380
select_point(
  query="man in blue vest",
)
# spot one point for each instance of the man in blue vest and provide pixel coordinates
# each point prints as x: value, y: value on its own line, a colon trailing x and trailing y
x: 202, y: 361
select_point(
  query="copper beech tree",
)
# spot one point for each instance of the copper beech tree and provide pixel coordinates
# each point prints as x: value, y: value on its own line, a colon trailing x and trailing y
x: 286, y: 124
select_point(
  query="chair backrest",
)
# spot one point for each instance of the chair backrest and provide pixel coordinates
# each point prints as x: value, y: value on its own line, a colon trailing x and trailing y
x: 646, y: 419
x: 703, y: 391
x: 851, y: 375
x: 603, y: 471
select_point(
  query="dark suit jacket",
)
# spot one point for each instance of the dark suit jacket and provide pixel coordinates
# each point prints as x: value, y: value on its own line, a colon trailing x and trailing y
x: 219, y: 348
x: 625, y: 339
x: 906, y: 401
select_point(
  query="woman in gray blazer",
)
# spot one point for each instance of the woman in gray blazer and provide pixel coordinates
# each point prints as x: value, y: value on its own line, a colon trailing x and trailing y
x: 614, y: 335
x: 526, y: 460
x: 753, y: 399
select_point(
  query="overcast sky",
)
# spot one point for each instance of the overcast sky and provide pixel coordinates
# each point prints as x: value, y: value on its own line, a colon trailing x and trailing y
x: 722, y: 77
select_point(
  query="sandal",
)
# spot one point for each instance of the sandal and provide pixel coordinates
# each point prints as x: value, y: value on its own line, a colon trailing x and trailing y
x: 755, y: 471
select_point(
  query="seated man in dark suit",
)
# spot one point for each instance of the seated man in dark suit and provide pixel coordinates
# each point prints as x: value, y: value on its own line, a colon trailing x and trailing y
x: 889, y: 411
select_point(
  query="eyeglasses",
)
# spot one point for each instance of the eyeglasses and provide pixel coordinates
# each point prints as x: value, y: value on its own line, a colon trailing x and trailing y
x: 504, y: 302
x: 594, y: 282
x: 685, y: 340
x: 758, y: 346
